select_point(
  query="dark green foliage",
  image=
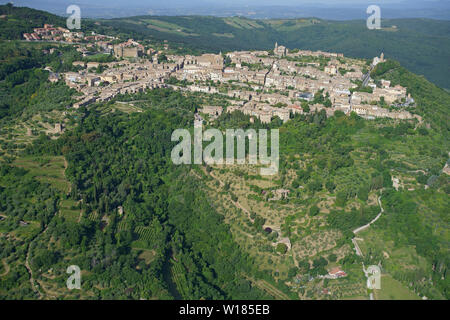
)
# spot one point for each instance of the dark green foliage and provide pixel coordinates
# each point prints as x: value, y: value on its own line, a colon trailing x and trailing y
x: 314, y: 211
x: 281, y: 248
x: 331, y: 186
x: 17, y: 194
x: 303, y: 266
x: 347, y: 221
x: 25, y: 87
x: 332, y: 257
x: 320, y: 262
x: 124, y: 160
x: 21, y: 20
x: 363, y: 193
x: 341, y: 198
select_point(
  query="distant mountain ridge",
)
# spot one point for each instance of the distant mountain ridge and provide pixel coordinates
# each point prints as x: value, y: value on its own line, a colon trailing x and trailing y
x: 257, y: 9
x: 421, y: 45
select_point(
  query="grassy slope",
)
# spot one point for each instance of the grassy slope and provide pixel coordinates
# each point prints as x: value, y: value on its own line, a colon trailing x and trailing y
x: 20, y: 20
x: 393, y: 290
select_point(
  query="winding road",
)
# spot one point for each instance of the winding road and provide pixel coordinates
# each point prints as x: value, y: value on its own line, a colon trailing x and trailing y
x: 355, y: 240
x: 364, y: 227
x: 356, y: 231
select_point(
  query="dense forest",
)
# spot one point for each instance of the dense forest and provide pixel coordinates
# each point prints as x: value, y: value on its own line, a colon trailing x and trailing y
x: 24, y: 88
x: 134, y: 172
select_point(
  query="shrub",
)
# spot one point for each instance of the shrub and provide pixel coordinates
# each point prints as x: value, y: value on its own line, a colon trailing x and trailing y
x: 281, y: 248
x: 314, y: 211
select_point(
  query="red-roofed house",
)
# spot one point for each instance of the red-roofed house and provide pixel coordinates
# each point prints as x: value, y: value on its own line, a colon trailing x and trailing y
x: 336, y: 273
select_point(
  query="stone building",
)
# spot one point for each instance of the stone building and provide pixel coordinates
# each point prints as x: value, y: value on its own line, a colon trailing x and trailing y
x: 280, y: 51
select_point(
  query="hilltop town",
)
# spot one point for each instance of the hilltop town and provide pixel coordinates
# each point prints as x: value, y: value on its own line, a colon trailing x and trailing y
x: 87, y: 121
x: 262, y: 84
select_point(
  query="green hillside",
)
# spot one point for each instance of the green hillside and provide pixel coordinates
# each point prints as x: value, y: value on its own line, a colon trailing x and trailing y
x: 18, y: 20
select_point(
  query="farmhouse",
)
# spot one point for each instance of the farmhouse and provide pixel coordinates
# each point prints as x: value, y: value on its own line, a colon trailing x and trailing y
x: 336, y: 273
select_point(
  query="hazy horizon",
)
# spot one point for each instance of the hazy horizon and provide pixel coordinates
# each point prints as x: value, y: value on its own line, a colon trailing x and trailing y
x: 325, y: 9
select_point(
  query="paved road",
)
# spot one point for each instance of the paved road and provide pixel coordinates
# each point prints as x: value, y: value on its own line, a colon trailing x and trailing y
x: 357, y: 248
x: 356, y: 231
x: 366, y: 79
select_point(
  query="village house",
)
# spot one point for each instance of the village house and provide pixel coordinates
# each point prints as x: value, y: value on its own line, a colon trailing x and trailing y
x: 336, y: 273
x: 129, y: 49
x: 212, y: 111
x: 331, y: 69
x: 279, y: 194
x: 269, y: 90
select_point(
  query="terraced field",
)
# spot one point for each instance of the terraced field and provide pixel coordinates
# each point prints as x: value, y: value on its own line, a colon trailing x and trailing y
x: 46, y: 169
x: 70, y: 210
x: 178, y: 276
x: 270, y: 289
x: 145, y: 234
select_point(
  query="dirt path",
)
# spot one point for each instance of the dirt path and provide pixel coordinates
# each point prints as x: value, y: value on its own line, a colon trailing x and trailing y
x: 355, y: 240
x: 357, y: 248
x: 27, y: 262
x: 215, y: 178
x: 30, y: 271
x: 356, y: 231
x: 285, y: 240
x: 6, y: 266
x: 239, y: 206
x: 235, y: 203
x: 48, y: 292
x: 66, y: 164
x: 417, y: 171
